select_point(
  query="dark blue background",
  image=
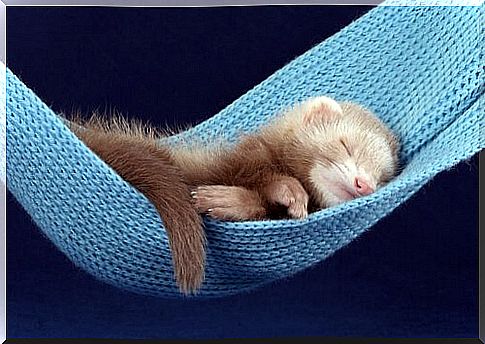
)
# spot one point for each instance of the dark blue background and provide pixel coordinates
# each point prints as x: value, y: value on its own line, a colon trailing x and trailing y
x: 414, y: 274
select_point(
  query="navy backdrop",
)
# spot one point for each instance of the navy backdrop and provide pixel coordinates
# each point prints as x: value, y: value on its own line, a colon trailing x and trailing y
x: 414, y: 274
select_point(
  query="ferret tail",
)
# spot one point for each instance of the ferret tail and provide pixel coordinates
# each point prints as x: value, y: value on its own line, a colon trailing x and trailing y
x: 149, y: 167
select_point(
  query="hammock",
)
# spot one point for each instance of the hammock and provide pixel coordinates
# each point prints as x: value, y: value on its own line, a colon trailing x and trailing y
x: 418, y: 68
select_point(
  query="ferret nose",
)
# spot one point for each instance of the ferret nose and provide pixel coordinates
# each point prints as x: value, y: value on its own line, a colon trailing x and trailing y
x: 362, y: 187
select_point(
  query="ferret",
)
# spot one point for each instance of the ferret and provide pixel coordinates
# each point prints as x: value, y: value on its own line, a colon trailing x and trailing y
x: 317, y: 154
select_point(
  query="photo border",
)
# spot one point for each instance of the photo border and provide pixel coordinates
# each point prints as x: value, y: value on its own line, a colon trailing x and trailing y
x: 207, y: 3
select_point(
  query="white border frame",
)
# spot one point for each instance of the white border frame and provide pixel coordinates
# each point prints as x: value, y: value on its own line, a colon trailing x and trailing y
x: 154, y: 3
x: 3, y: 170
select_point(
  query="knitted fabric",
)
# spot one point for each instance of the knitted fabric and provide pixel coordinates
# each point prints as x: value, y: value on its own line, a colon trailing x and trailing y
x: 418, y: 68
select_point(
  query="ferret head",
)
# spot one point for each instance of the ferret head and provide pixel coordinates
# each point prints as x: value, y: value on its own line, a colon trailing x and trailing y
x: 347, y: 151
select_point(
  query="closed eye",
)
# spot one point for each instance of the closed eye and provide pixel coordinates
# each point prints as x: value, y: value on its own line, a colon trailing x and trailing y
x: 345, y: 146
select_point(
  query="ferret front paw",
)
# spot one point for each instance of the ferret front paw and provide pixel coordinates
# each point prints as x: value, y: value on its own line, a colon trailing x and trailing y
x: 289, y: 192
x: 232, y: 203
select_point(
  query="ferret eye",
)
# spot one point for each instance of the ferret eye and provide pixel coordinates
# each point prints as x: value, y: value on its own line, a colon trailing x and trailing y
x: 346, y: 147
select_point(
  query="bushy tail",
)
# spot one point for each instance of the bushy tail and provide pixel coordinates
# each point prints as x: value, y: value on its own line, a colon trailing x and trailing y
x: 132, y: 151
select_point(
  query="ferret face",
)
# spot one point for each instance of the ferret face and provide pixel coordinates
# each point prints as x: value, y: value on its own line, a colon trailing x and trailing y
x: 350, y: 153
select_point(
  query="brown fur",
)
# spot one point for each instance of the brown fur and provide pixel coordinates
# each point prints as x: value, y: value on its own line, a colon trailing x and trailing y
x: 252, y: 175
x: 233, y: 203
x: 134, y: 154
x: 275, y: 163
x: 266, y: 175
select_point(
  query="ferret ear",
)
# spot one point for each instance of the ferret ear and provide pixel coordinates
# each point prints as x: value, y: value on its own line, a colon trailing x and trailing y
x: 320, y: 110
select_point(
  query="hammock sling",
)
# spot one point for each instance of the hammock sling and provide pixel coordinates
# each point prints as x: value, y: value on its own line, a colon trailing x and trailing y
x: 418, y: 68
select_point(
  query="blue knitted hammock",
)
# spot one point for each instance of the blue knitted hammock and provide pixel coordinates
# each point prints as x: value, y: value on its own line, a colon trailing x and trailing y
x: 418, y: 68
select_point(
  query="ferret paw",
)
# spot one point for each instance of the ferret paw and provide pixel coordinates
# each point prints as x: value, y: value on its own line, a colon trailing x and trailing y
x: 231, y: 203
x: 290, y: 193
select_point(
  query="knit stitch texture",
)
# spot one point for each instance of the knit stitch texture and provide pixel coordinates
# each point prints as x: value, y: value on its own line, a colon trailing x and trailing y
x: 419, y: 69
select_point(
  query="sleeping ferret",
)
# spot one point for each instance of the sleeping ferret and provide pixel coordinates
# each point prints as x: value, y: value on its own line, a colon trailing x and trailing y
x: 317, y: 154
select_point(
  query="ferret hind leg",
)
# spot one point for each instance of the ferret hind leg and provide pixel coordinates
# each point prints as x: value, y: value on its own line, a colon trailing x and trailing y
x: 234, y: 203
